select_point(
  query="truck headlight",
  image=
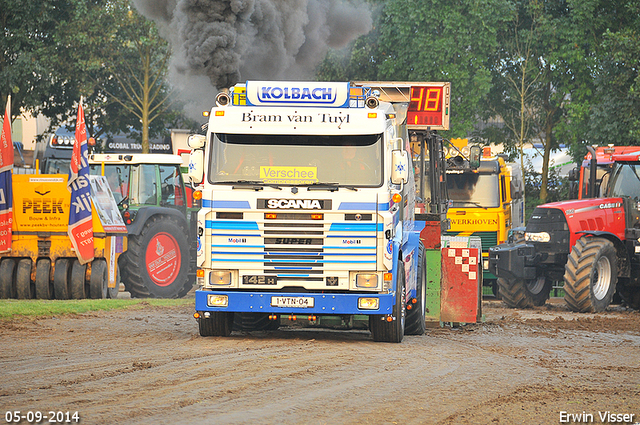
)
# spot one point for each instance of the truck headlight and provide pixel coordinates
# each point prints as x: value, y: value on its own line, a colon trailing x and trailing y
x: 368, y: 303
x: 537, y: 237
x: 214, y: 300
x: 220, y: 277
x: 366, y: 280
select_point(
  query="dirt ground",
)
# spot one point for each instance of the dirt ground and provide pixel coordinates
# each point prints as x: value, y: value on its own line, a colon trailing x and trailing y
x: 150, y: 366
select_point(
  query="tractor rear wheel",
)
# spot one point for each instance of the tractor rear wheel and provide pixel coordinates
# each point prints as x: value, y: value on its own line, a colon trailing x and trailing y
x: 44, y: 289
x: 7, y: 288
x: 524, y: 293
x: 157, y: 260
x: 24, y: 289
x: 590, y: 275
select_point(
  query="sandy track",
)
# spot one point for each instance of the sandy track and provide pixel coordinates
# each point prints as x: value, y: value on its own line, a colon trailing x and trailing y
x: 149, y: 366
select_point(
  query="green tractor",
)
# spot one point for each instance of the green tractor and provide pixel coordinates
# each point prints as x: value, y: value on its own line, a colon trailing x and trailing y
x: 160, y: 215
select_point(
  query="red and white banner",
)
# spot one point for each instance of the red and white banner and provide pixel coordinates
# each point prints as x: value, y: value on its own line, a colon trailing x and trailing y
x: 6, y: 189
x: 80, y: 219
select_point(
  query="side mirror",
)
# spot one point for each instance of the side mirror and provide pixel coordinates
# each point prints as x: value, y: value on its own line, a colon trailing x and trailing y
x: 474, y: 157
x: 196, y: 166
x: 399, y: 167
x: 574, y: 175
x: 196, y: 141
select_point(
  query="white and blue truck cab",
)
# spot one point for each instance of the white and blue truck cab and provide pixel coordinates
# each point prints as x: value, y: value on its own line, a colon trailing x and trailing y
x: 308, y: 201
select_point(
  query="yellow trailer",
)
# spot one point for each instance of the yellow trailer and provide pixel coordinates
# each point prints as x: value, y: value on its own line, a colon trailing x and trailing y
x: 42, y: 262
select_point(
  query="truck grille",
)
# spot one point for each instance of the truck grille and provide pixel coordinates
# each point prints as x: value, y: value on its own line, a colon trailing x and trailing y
x: 294, y: 247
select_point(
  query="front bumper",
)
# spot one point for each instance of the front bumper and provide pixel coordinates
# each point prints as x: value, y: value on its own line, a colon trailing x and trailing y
x: 513, y: 261
x: 260, y: 302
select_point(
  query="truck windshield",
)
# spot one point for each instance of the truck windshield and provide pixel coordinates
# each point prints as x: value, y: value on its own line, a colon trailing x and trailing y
x: 473, y: 190
x: 626, y: 181
x: 343, y: 160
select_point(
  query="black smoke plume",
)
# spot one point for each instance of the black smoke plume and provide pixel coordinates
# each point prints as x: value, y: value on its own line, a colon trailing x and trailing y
x: 217, y: 43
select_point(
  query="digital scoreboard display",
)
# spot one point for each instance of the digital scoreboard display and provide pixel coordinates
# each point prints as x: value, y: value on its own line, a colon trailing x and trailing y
x: 429, y: 106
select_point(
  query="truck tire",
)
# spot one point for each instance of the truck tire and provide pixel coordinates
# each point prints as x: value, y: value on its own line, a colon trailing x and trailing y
x: 219, y: 324
x: 99, y: 280
x: 524, y: 293
x: 157, y: 260
x: 393, y: 331
x: 77, y: 280
x: 61, y: 279
x: 590, y: 275
x: 44, y: 288
x: 24, y: 289
x: 416, y: 324
x: 7, y: 288
x: 254, y: 322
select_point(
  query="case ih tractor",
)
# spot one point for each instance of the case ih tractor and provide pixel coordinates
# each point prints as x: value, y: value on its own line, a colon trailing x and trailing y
x: 592, y: 244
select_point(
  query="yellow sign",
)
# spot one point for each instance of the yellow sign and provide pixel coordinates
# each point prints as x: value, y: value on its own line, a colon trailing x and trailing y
x: 288, y: 174
x: 40, y: 203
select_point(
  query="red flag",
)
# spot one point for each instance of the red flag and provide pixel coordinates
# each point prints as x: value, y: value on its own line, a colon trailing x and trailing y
x: 6, y: 189
x: 80, y: 220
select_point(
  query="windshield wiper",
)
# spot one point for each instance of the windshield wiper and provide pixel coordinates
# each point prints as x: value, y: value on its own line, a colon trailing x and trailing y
x: 331, y: 186
x: 257, y: 184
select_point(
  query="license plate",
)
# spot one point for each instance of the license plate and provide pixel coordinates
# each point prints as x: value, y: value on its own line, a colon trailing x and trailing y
x: 259, y: 280
x: 297, y: 302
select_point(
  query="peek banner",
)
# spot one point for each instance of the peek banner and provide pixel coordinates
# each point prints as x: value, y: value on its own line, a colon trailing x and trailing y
x: 6, y: 169
x: 80, y: 220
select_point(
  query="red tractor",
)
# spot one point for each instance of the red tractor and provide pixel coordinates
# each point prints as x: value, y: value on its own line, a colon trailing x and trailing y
x: 604, y: 157
x: 592, y: 244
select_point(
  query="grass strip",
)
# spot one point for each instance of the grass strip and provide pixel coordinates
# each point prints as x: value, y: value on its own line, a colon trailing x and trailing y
x: 10, y: 309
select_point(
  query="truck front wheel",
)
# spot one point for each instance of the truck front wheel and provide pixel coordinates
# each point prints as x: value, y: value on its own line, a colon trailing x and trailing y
x: 590, y: 275
x: 218, y: 324
x: 384, y: 330
x: 157, y: 261
x: 524, y: 293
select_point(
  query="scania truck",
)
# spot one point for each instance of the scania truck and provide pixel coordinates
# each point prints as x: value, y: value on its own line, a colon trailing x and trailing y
x: 308, y: 203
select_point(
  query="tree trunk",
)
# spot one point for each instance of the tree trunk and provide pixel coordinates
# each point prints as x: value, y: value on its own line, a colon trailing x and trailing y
x: 145, y: 103
x: 545, y: 166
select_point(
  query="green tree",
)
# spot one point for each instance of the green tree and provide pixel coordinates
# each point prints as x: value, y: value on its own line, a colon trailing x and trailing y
x: 140, y: 69
x: 541, y: 75
x: 121, y: 64
x: 615, y: 112
x: 437, y: 40
x: 26, y: 44
x: 515, y: 77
